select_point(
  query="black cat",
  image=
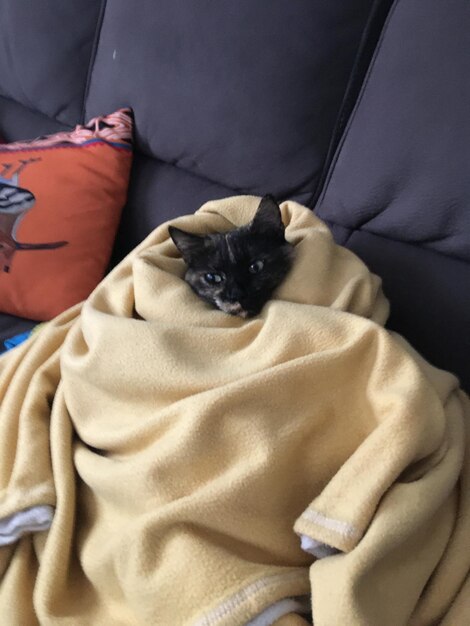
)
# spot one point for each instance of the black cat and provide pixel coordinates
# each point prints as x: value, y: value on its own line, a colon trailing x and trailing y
x: 238, y: 271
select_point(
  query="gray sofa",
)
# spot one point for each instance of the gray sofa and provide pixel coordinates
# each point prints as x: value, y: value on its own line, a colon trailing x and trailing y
x: 356, y: 109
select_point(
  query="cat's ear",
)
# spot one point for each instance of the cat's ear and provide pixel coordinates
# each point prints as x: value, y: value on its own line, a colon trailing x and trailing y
x: 188, y: 244
x: 268, y: 218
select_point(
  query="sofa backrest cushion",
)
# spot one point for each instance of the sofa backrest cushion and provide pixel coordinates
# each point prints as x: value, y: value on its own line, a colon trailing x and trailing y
x: 45, y: 54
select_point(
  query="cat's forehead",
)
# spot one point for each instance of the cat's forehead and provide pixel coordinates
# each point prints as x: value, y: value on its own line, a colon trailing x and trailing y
x: 235, y: 246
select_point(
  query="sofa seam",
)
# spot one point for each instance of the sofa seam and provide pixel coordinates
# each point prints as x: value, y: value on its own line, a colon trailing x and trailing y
x: 347, y: 104
x: 359, y: 100
x: 93, y: 55
x: 35, y: 111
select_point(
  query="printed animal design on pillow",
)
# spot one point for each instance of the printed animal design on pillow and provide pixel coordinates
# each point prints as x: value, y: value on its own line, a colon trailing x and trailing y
x: 15, y: 202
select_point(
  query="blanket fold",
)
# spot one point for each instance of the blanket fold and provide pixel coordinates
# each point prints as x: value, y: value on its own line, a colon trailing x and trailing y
x: 164, y: 463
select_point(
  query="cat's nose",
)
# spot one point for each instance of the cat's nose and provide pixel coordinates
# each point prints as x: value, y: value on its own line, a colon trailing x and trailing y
x: 234, y: 295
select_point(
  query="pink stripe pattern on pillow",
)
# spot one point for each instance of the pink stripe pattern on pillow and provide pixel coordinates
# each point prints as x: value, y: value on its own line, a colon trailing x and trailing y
x: 115, y: 128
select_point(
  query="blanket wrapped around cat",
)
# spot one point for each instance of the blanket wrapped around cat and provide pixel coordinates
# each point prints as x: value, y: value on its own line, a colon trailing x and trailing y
x: 162, y: 462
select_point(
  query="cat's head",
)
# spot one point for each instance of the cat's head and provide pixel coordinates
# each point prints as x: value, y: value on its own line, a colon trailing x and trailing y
x: 238, y: 271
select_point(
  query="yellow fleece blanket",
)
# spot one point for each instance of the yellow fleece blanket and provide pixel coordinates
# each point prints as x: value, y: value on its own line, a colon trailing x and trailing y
x: 163, y: 463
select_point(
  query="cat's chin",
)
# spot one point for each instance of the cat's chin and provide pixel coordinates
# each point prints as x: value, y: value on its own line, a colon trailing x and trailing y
x: 243, y: 314
x: 234, y: 308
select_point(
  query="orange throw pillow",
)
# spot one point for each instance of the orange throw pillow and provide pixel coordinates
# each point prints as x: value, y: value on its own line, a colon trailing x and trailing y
x: 61, y: 199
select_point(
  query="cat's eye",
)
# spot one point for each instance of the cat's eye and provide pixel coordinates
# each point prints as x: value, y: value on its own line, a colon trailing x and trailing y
x: 256, y: 267
x: 213, y: 279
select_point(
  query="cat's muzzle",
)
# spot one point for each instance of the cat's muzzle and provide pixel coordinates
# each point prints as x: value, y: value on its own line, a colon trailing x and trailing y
x: 233, y: 308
